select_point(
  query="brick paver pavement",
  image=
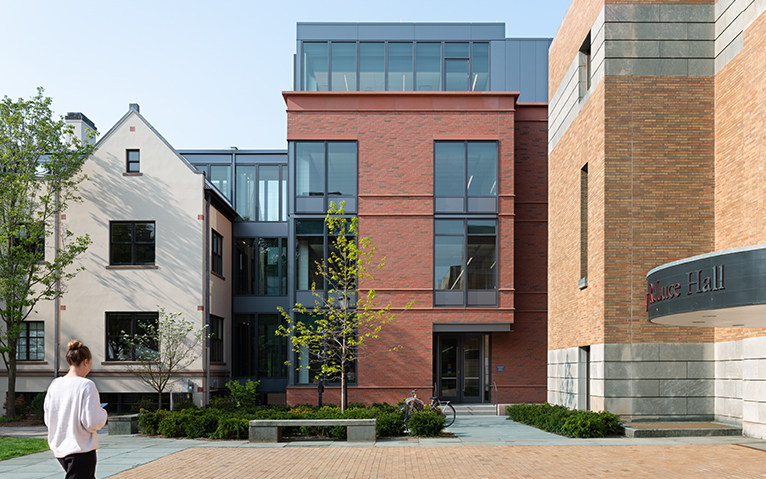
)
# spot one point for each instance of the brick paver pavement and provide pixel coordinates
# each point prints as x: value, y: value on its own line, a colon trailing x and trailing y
x: 539, y: 462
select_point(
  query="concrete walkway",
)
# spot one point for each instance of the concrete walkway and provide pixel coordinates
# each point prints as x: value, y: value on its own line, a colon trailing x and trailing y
x: 479, y: 450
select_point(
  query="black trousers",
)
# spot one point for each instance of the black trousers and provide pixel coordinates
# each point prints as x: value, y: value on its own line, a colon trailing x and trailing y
x: 79, y: 466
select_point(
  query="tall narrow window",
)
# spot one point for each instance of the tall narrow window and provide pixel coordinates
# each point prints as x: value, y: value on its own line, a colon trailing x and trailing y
x: 456, y: 66
x: 480, y: 67
x: 31, y: 344
x: 133, y: 161
x: 428, y: 73
x: 272, y: 266
x: 310, y: 250
x: 343, y: 66
x: 272, y: 349
x: 244, y: 266
x: 584, y: 227
x: 371, y: 67
x: 400, y: 66
x: 315, y: 67
x: 585, y: 66
x: 245, y: 183
x: 216, y: 253
x: 269, y: 197
x: 216, y: 339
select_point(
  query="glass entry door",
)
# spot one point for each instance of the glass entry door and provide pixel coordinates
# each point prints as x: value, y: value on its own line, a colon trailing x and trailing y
x: 460, y: 367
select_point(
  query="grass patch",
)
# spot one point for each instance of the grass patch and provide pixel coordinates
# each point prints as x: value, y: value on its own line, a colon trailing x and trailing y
x: 21, y: 446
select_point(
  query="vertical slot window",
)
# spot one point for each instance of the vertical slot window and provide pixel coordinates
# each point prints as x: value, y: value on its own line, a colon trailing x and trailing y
x: 315, y: 67
x: 428, y: 61
x: 343, y: 67
x: 400, y: 66
x: 372, y: 67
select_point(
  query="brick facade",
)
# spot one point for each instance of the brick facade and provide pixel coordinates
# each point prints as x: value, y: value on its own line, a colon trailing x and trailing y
x: 395, y: 134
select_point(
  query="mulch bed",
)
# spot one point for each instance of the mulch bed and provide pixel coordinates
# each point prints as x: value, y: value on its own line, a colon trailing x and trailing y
x: 31, y: 422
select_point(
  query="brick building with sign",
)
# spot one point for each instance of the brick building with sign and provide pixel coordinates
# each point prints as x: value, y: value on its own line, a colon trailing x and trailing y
x: 656, y: 155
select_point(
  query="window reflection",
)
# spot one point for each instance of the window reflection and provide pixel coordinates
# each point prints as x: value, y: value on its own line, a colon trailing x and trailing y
x: 315, y: 69
x: 344, y: 66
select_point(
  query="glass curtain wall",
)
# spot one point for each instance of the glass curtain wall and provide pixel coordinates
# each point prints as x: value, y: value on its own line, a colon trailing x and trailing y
x: 372, y: 67
x: 245, y: 183
x: 272, y: 266
x: 310, y: 250
x: 315, y: 67
x: 220, y: 177
x: 428, y: 66
x: 343, y: 66
x: 400, y: 67
x: 268, y: 193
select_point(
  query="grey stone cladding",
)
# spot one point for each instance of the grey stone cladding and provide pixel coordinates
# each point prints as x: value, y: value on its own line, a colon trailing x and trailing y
x: 652, y: 40
x: 725, y: 382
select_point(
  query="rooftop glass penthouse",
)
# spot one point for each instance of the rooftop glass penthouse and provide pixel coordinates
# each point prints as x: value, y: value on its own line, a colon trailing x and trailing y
x: 419, y: 57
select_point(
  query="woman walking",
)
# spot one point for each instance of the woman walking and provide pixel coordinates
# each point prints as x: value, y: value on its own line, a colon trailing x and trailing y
x: 73, y: 414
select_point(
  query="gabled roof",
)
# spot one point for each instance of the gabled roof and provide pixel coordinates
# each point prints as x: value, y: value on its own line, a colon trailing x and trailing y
x: 133, y: 111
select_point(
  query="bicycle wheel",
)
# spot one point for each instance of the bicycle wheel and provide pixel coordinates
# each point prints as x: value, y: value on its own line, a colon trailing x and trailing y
x: 448, y: 412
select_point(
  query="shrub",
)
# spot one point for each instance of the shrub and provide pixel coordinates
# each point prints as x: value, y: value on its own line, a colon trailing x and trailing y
x: 183, y: 405
x: 390, y: 424
x: 36, y: 407
x: 356, y: 405
x: 384, y: 406
x: 143, y: 403
x: 426, y: 423
x: 174, y: 425
x: 226, y: 403
x: 568, y: 422
x: 244, y: 394
x: 149, y: 421
x: 201, y: 423
x: 22, y: 410
x: 232, y: 428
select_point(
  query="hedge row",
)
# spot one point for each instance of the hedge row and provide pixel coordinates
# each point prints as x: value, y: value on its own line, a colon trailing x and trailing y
x: 565, y: 421
x: 217, y: 423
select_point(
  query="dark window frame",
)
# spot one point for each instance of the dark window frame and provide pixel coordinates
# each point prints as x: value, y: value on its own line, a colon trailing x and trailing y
x: 283, y: 175
x: 216, y: 252
x: 133, y: 243
x: 464, y: 194
x: 466, y: 260
x: 132, y: 162
x: 282, y: 266
x: 132, y: 333
x: 326, y: 240
x: 27, y: 339
x: 216, y: 338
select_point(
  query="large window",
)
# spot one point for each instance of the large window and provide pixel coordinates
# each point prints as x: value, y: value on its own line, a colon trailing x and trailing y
x: 220, y: 177
x: 272, y: 193
x: 31, y: 345
x: 312, y: 244
x: 258, y: 351
x: 465, y: 176
x: 465, y: 262
x: 308, y: 361
x: 119, y: 325
x: 131, y: 242
x: 325, y: 171
x: 216, y: 339
x: 272, y: 266
x: 245, y: 184
x: 395, y: 66
x: 217, y: 253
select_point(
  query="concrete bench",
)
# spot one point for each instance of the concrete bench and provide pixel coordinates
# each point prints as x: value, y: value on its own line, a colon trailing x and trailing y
x: 122, y: 425
x: 270, y: 430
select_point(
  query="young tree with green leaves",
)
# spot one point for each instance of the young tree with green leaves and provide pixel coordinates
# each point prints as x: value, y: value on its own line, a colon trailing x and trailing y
x: 40, y: 168
x: 161, y: 349
x: 344, y: 317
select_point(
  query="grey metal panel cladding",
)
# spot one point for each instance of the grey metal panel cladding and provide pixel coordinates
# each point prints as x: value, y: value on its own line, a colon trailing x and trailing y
x: 448, y: 298
x: 440, y: 31
x: 737, y: 278
x: 497, y: 66
x: 327, y: 31
x: 513, y: 65
x: 449, y: 205
x: 527, y: 66
x: 309, y: 205
x: 482, y: 298
x: 482, y: 205
x: 541, y: 71
x: 386, y: 31
x: 488, y: 32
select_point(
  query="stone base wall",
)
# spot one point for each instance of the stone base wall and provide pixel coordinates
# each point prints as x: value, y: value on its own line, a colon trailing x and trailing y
x: 725, y: 382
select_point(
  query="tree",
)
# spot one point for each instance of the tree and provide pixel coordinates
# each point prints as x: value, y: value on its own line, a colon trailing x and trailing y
x: 162, y: 349
x: 344, y: 317
x: 40, y: 168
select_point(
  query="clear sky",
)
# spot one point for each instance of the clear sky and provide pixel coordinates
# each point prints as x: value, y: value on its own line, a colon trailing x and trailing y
x: 207, y: 74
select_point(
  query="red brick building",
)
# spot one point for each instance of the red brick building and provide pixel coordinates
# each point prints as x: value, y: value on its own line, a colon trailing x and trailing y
x: 396, y: 133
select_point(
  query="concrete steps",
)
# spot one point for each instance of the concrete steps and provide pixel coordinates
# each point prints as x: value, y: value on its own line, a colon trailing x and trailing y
x: 680, y: 429
x: 475, y: 409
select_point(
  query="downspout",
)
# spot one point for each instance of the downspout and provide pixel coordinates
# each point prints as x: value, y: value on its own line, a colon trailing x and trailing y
x: 207, y: 300
x: 57, y: 287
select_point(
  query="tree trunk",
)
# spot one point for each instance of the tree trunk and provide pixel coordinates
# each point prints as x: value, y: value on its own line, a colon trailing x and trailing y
x: 11, y: 397
x: 159, y: 400
x: 343, y: 389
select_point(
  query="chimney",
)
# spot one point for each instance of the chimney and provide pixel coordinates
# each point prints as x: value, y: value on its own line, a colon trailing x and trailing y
x: 82, y: 126
x: 135, y: 107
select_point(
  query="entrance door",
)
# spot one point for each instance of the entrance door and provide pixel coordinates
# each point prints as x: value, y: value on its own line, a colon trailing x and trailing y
x: 460, y: 367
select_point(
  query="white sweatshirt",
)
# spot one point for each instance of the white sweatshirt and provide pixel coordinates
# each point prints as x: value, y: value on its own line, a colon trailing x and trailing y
x: 73, y: 414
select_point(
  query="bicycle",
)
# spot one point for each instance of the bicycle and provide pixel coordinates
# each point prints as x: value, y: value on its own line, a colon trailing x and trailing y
x: 414, y: 404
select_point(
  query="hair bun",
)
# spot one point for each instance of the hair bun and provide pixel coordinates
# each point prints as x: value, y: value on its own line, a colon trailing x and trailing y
x: 74, y: 344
